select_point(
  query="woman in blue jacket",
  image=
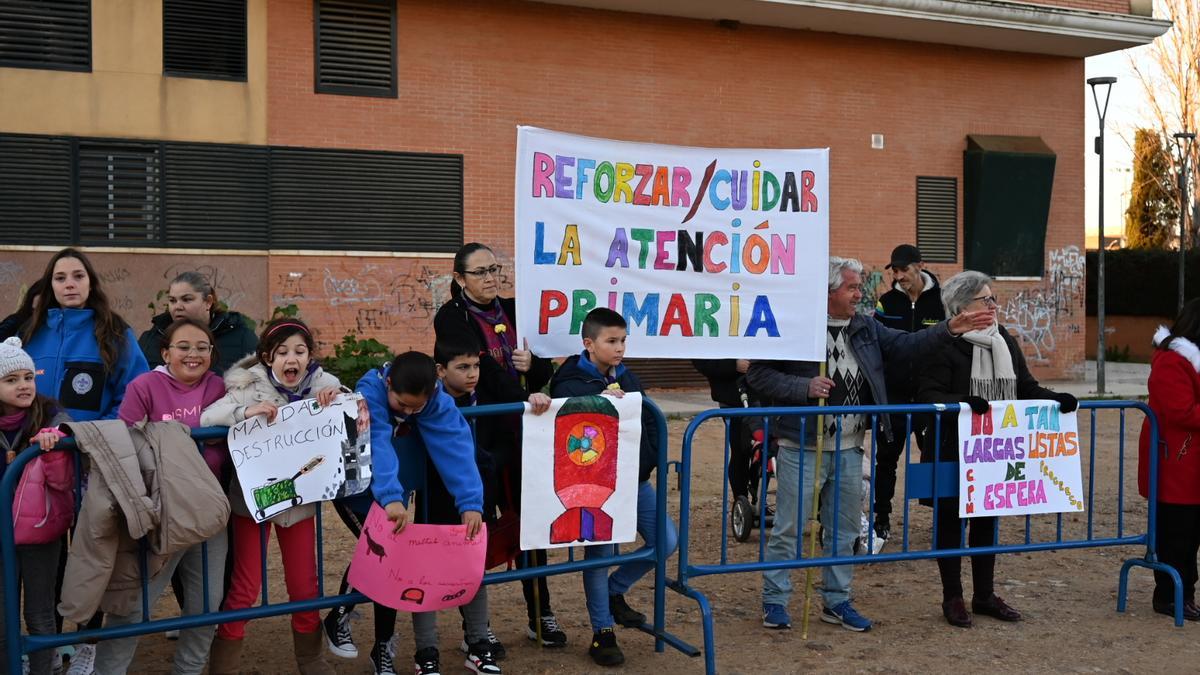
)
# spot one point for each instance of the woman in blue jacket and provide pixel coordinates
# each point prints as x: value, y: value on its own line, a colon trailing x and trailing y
x: 85, y: 353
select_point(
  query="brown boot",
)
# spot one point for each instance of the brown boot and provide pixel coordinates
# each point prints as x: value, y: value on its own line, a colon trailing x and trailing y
x: 309, y: 648
x: 226, y: 657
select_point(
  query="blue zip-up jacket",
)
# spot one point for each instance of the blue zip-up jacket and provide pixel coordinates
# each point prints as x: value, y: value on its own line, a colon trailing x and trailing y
x: 442, y: 429
x: 70, y: 370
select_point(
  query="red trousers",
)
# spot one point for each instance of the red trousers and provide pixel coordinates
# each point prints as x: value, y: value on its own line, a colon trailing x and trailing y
x: 297, y: 545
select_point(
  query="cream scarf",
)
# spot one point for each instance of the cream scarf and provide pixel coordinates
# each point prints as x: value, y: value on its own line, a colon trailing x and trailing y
x: 992, y: 374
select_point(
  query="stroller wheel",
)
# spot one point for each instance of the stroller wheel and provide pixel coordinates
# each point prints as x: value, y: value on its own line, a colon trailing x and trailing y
x: 741, y: 518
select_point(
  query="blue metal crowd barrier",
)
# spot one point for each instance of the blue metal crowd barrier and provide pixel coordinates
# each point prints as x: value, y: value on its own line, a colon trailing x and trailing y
x: 929, y: 481
x: 20, y: 644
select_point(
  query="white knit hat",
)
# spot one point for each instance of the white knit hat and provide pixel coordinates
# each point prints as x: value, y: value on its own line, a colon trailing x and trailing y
x: 13, y: 358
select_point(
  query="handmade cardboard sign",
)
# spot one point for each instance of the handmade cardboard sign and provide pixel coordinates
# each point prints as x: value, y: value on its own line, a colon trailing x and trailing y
x: 422, y: 569
x: 307, y: 454
x: 579, y: 470
x: 709, y: 252
x: 1020, y: 458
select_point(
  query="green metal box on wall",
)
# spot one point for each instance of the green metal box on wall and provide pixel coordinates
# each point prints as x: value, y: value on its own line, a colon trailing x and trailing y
x: 1007, y: 184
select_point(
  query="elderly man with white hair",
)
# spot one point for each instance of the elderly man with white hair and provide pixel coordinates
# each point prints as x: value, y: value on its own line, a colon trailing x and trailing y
x: 856, y: 347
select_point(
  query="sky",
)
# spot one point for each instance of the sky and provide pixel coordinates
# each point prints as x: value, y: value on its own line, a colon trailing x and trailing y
x: 1125, y: 113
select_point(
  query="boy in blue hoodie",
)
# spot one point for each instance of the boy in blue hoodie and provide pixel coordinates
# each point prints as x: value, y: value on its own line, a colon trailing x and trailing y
x: 598, y: 370
x: 407, y: 403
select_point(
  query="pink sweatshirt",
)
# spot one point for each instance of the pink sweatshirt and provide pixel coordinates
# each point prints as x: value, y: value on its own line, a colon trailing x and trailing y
x: 156, y: 396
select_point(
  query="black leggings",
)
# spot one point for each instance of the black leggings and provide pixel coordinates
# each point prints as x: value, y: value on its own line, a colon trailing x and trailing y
x: 980, y: 532
x: 385, y: 617
x: 1178, y: 541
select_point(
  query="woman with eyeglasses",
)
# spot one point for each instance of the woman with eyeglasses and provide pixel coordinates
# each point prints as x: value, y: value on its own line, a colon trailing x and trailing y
x: 508, y: 372
x: 979, y: 366
x: 190, y: 295
x: 85, y: 353
x: 178, y: 390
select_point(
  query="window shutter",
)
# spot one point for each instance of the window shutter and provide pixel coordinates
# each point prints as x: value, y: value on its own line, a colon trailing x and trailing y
x: 205, y: 38
x: 35, y: 190
x: 48, y: 34
x: 356, y: 47
x: 347, y: 200
x: 937, y: 218
x: 118, y: 194
x: 215, y: 196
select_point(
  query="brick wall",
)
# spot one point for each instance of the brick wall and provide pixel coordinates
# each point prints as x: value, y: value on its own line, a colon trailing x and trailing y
x: 1115, y: 6
x: 470, y: 72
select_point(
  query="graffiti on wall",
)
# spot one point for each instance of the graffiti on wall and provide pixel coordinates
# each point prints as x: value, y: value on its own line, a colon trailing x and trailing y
x: 874, y: 285
x: 1035, y: 314
x: 368, y: 298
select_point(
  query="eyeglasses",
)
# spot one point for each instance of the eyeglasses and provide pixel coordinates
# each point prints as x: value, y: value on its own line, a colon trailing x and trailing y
x: 987, y: 300
x: 494, y: 270
x: 185, y: 348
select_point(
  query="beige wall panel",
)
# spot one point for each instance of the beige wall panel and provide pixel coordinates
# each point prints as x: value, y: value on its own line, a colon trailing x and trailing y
x: 126, y: 94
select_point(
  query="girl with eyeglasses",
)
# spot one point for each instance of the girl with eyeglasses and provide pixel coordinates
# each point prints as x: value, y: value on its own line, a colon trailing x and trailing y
x: 512, y: 374
x: 191, y: 295
x: 178, y: 390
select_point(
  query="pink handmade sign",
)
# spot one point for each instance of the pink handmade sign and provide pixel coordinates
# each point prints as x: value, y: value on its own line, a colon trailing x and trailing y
x: 423, y: 569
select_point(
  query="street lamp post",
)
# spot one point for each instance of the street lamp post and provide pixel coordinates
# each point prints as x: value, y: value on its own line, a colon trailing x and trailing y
x: 1183, y: 144
x: 1107, y: 83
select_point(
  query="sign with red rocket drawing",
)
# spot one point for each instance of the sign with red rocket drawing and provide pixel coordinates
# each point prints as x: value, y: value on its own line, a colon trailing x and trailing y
x: 579, y: 472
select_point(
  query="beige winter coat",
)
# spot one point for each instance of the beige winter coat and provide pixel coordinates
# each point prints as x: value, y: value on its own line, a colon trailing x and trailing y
x: 248, y: 383
x: 148, y: 481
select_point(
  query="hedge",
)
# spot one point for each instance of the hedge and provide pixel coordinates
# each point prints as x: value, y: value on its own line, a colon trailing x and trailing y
x: 1142, y: 282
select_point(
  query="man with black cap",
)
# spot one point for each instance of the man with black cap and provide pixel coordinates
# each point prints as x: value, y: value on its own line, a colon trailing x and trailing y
x: 914, y: 303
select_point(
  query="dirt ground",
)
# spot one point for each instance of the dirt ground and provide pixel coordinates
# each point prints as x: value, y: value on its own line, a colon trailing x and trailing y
x: 1068, y: 599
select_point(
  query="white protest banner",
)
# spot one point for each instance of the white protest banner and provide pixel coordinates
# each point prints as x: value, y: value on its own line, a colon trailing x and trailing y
x: 708, y: 252
x: 1020, y: 458
x: 579, y: 471
x: 307, y: 454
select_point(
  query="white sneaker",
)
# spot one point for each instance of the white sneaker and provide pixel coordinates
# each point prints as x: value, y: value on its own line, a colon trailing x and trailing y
x: 172, y: 635
x: 84, y: 660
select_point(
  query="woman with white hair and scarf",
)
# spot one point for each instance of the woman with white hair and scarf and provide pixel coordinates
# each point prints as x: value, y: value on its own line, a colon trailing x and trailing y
x: 980, y: 366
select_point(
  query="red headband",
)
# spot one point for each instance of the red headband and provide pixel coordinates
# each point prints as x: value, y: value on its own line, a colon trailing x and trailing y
x: 303, y: 328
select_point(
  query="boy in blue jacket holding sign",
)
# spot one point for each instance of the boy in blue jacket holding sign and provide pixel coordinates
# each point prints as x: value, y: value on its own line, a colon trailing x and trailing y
x: 409, y: 410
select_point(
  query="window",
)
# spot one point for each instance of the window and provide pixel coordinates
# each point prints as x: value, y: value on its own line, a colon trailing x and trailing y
x: 356, y: 47
x: 1007, y: 185
x: 205, y: 39
x: 937, y: 218
x: 35, y: 190
x: 42, y: 34
x: 215, y: 196
x: 115, y: 192
x: 378, y: 201
x: 118, y: 200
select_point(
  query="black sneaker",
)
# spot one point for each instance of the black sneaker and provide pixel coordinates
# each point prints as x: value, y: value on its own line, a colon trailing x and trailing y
x: 494, y: 643
x: 381, y: 658
x: 337, y: 633
x: 428, y: 662
x: 883, y: 526
x: 623, y: 614
x: 481, y: 660
x: 552, y: 635
x: 604, y: 650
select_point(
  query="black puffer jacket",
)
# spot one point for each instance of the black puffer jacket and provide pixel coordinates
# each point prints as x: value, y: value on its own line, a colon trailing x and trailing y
x: 234, y: 340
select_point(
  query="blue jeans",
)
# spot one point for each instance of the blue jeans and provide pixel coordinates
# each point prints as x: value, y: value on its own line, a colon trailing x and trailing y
x: 789, y: 505
x: 598, y: 585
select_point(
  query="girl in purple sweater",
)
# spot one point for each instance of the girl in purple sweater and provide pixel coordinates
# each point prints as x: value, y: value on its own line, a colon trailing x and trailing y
x: 178, y: 390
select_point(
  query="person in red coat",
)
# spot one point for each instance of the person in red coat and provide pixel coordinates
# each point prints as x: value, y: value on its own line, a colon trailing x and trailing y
x: 1175, y: 399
